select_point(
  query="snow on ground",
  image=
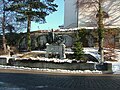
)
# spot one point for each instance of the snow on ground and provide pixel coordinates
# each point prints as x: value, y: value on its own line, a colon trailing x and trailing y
x: 92, y: 51
x: 116, y: 65
x: 117, y: 52
x: 47, y: 59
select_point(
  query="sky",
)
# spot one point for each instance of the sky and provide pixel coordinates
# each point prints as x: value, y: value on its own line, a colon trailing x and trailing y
x: 53, y: 20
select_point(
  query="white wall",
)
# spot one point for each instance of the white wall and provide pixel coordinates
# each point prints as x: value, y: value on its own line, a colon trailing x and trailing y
x: 87, y: 16
x: 70, y: 14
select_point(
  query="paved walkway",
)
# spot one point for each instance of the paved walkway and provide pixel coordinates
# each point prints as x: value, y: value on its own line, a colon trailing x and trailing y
x: 9, y: 81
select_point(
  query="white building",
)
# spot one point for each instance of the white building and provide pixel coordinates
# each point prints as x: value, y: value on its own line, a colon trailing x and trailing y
x: 70, y: 14
x: 86, y: 16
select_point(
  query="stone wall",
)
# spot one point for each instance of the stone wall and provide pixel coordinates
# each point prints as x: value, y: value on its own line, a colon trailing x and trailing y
x: 52, y: 65
x: 105, y: 68
x: 67, y: 66
x: 3, y: 61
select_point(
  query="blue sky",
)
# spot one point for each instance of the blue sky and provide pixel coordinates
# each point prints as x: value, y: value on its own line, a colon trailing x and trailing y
x: 53, y: 20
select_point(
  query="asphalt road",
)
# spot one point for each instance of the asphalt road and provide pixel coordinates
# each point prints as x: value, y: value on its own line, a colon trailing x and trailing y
x: 19, y: 81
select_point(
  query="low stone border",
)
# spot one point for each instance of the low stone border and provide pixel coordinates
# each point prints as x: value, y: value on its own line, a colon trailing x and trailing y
x: 105, y: 68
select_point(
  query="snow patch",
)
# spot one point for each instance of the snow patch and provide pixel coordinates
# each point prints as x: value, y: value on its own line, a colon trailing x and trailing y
x: 52, y: 70
x: 41, y: 86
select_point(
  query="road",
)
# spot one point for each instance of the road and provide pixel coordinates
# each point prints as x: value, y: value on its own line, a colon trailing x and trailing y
x: 19, y: 81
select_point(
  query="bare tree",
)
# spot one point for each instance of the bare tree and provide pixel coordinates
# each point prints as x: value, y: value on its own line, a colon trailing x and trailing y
x: 8, y: 19
x: 98, y: 13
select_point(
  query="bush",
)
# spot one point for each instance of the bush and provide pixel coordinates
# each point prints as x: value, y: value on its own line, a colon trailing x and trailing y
x: 78, y: 47
x: 78, y: 51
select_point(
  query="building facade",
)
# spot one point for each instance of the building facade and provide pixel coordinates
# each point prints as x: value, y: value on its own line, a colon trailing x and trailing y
x: 70, y: 14
x: 85, y: 15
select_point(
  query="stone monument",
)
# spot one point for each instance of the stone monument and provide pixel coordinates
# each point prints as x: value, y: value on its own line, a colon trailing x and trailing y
x: 55, y: 46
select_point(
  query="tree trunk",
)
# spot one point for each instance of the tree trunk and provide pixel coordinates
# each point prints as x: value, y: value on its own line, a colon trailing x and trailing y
x: 3, y: 28
x: 28, y: 34
x: 100, y: 32
x: 28, y: 29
